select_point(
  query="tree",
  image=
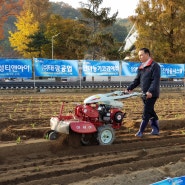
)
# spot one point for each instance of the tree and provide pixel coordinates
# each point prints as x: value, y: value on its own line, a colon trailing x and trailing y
x: 97, y: 20
x: 36, y: 43
x: 25, y: 27
x: 118, y: 32
x: 33, y: 18
x: 39, y: 9
x: 64, y: 10
x: 71, y: 43
x: 160, y: 25
x: 77, y: 41
x: 7, y: 9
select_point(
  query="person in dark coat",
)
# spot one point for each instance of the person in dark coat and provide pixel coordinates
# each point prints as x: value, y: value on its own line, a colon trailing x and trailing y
x: 148, y: 77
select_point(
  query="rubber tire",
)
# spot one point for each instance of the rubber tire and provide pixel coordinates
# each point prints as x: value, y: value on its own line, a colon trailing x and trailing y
x: 46, y: 134
x: 53, y: 135
x: 119, y: 117
x: 106, y: 135
x: 85, y: 139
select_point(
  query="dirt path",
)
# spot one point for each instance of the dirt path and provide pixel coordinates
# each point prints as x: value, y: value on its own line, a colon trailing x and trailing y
x: 128, y: 160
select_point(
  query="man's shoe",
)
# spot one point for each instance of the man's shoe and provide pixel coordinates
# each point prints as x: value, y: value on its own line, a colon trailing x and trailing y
x: 155, y: 127
x: 155, y: 132
x: 139, y: 134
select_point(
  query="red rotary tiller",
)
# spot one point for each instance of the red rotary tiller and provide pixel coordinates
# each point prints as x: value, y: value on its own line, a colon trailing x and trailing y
x: 97, y: 118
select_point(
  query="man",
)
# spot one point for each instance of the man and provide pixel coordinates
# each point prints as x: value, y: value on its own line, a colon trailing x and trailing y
x: 148, y: 77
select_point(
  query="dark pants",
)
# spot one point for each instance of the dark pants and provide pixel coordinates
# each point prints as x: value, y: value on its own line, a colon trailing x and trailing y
x: 148, y: 110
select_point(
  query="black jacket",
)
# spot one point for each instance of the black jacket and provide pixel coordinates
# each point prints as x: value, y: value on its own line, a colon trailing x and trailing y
x: 148, y: 78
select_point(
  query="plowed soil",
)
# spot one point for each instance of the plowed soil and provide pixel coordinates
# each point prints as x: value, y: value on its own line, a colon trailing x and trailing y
x: 28, y: 158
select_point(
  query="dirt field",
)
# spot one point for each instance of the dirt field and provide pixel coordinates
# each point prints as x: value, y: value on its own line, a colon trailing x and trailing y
x: 27, y: 158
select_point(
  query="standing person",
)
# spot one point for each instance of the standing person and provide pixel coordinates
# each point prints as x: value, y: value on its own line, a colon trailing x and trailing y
x: 148, y: 77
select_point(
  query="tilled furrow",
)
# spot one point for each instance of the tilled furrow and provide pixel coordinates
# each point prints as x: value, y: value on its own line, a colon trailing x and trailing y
x: 111, y: 164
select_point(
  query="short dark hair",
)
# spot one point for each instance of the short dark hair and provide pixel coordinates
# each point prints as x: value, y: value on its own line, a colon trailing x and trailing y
x: 146, y: 50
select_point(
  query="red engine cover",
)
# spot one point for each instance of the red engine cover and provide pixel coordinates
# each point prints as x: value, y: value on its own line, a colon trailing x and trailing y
x: 90, y: 111
x: 82, y: 127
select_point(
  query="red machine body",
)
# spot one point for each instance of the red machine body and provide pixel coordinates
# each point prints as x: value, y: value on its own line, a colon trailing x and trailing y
x: 98, y: 117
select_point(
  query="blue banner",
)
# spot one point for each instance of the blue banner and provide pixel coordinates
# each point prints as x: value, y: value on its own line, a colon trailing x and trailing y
x: 172, y: 70
x: 167, y: 70
x: 22, y: 68
x: 15, y: 68
x: 55, y: 68
x: 171, y: 181
x: 129, y: 68
x: 100, y: 68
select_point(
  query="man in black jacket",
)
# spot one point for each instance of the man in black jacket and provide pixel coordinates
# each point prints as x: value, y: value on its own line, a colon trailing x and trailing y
x: 148, y: 77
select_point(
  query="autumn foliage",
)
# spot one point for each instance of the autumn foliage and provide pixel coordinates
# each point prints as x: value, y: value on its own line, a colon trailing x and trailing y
x: 25, y: 27
x: 8, y: 8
